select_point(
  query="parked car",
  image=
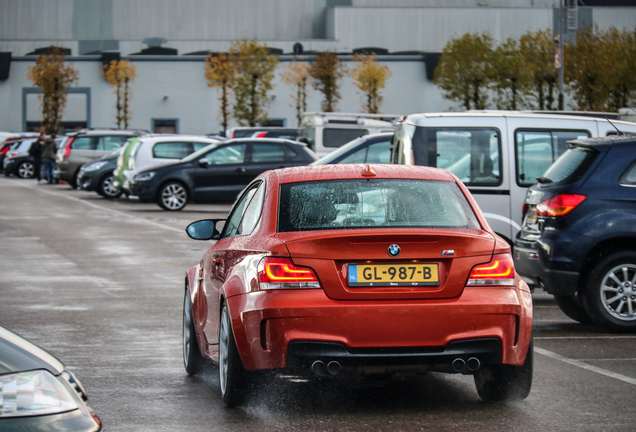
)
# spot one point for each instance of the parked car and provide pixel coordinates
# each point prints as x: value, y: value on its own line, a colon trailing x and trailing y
x: 283, y: 133
x: 263, y: 132
x: 98, y: 175
x: 154, y: 150
x: 7, y: 139
x: 337, y: 270
x: 216, y: 173
x: 497, y: 154
x: 578, y: 239
x: 87, y: 145
x: 18, y: 162
x: 37, y: 392
x: 374, y: 148
x: 325, y: 132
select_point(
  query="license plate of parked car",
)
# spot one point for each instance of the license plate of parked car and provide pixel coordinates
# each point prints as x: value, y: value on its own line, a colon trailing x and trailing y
x: 393, y: 275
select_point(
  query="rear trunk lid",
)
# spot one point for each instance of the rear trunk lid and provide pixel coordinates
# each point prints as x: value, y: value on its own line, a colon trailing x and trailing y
x: 430, y: 264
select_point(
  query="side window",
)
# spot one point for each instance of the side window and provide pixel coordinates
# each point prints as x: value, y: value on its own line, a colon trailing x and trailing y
x: 262, y: 153
x: 233, y: 154
x: 231, y: 227
x: 83, y: 143
x: 359, y: 156
x: 252, y: 213
x: 336, y: 137
x: 536, y: 150
x: 199, y: 145
x: 470, y: 154
x: 379, y: 152
x: 629, y: 177
x: 172, y: 150
x: 110, y: 143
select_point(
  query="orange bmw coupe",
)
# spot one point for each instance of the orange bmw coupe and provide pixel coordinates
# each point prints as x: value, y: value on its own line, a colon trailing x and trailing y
x: 341, y: 270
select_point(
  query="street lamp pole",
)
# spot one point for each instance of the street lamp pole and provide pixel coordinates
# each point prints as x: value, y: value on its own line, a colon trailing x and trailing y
x: 562, y: 59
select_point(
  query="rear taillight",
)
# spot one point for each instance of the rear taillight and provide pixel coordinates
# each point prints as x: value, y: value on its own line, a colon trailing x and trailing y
x: 560, y: 205
x: 499, y: 271
x: 281, y: 273
x: 261, y: 135
x: 4, y: 150
x: 67, y: 148
x: 524, y: 209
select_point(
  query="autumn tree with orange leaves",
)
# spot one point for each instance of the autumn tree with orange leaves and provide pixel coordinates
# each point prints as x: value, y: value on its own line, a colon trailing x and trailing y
x: 54, y: 78
x: 326, y: 70
x: 296, y: 75
x: 220, y: 71
x: 119, y: 74
x: 370, y: 77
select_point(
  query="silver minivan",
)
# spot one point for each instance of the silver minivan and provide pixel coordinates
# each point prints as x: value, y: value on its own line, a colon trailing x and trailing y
x: 497, y: 154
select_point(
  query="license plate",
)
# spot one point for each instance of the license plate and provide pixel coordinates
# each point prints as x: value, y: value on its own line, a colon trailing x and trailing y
x: 532, y: 215
x: 365, y: 275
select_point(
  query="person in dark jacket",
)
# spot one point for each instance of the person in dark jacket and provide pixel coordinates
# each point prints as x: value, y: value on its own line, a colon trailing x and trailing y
x: 48, y: 158
x: 36, y: 152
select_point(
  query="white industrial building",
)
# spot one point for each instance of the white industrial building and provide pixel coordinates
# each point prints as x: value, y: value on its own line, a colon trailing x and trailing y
x: 171, y: 91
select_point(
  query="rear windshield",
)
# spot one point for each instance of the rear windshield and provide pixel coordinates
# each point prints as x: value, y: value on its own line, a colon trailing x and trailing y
x: 570, y: 166
x: 368, y: 203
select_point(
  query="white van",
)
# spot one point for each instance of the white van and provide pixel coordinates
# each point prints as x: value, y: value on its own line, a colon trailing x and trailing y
x: 497, y: 154
x: 325, y: 132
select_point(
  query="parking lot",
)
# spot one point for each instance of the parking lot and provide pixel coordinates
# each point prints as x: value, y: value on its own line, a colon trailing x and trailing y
x: 100, y: 284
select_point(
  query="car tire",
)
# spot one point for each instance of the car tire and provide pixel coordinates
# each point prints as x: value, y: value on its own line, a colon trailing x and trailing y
x: 573, y: 307
x: 192, y: 358
x: 610, y: 297
x: 107, y: 189
x: 26, y: 170
x: 172, y: 196
x: 73, y: 180
x: 503, y: 383
x: 232, y: 375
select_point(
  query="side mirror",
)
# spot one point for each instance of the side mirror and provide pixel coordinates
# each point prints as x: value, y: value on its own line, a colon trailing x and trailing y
x: 204, y: 229
x: 204, y: 162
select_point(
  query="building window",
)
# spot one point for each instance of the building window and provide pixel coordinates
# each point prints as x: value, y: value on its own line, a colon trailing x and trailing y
x: 168, y: 126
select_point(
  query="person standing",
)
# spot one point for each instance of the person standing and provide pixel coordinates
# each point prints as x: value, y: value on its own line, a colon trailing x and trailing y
x: 48, y: 158
x: 36, y: 152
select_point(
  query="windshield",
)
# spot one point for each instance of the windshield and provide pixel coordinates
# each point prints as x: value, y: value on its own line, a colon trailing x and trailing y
x: 571, y: 165
x: 368, y: 203
x: 199, y: 153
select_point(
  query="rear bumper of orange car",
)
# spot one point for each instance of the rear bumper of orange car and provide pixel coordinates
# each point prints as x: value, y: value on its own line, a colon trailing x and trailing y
x: 294, y: 328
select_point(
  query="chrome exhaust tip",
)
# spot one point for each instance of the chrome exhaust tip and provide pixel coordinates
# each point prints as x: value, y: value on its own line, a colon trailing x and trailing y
x: 318, y: 367
x: 458, y: 364
x: 473, y: 364
x: 333, y: 367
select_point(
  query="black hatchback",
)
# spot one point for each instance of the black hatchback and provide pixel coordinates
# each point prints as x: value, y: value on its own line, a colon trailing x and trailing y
x: 216, y: 173
x: 578, y: 239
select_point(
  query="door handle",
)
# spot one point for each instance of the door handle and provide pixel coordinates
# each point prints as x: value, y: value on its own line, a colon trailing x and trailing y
x: 241, y: 170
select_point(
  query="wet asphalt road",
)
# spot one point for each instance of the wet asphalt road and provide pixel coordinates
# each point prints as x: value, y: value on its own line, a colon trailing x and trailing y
x: 100, y: 283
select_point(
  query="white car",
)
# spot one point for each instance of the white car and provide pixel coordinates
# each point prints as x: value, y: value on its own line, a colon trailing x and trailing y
x: 154, y: 150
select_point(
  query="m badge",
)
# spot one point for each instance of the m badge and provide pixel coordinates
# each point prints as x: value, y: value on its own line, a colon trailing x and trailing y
x: 448, y: 252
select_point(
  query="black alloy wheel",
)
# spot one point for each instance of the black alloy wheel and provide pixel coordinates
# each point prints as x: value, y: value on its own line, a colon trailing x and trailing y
x: 232, y: 375
x: 502, y: 383
x: 192, y: 359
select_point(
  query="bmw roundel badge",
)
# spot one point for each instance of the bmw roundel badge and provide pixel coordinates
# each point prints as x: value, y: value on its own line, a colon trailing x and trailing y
x: 394, y: 250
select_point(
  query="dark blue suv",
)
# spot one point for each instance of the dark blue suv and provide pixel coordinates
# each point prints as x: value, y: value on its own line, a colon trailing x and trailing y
x: 578, y: 239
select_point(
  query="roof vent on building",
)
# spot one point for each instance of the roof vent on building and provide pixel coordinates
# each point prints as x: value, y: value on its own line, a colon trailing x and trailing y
x: 155, y: 48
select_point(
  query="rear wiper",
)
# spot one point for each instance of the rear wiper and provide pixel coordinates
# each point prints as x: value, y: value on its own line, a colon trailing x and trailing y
x: 544, y: 180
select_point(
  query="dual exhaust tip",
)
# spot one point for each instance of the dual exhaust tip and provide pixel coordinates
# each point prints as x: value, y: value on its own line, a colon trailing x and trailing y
x: 460, y: 365
x: 333, y: 367
x: 320, y: 368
